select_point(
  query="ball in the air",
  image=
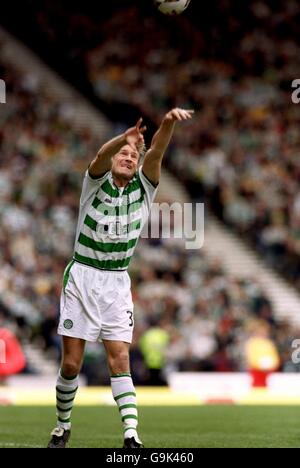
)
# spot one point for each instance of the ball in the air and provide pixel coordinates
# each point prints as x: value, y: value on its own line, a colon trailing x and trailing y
x: 172, y: 7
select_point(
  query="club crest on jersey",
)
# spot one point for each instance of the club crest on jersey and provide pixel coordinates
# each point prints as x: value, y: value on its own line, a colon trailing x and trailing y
x: 68, y: 324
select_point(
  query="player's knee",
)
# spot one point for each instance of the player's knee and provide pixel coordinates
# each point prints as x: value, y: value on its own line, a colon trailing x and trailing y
x: 70, y: 368
x: 119, y: 362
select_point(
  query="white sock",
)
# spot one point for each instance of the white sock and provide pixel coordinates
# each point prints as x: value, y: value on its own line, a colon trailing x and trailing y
x: 125, y: 397
x: 65, y: 393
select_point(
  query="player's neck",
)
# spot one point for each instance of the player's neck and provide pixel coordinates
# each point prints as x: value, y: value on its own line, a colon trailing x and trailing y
x: 120, y: 181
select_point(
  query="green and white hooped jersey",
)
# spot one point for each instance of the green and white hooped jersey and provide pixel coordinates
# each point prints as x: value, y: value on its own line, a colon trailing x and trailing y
x: 111, y: 220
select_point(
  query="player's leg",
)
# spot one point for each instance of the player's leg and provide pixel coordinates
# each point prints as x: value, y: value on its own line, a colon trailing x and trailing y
x: 66, y: 388
x: 67, y: 382
x: 123, y: 390
x: 78, y: 324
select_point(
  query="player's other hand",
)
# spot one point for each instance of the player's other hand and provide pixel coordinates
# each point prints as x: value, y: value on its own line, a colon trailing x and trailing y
x: 179, y: 114
x: 134, y: 136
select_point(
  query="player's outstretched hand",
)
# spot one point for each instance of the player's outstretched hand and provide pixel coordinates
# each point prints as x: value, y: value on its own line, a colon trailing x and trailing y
x: 179, y: 114
x: 134, y: 136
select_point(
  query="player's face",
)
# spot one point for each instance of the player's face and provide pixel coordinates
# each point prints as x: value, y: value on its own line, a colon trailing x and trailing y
x: 125, y: 162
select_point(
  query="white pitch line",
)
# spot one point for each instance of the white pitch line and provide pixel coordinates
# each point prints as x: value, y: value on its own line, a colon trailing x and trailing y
x: 14, y: 445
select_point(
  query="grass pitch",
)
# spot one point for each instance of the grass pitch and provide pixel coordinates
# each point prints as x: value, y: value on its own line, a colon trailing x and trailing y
x: 160, y: 427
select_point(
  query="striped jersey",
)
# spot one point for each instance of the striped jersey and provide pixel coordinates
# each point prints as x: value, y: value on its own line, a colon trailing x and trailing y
x: 111, y: 220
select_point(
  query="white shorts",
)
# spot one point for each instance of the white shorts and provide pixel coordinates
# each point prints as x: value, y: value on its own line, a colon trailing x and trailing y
x: 96, y: 305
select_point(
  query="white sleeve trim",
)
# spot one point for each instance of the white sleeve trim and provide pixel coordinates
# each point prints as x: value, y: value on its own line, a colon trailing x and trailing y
x: 146, y: 181
x: 150, y: 189
x: 92, y: 179
x: 90, y: 186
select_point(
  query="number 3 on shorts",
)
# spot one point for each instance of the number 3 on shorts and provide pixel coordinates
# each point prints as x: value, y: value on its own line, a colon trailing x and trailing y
x: 130, y: 313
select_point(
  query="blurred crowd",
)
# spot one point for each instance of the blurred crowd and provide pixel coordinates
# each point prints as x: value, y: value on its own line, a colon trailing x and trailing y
x: 200, y: 316
x: 41, y: 166
x: 240, y: 154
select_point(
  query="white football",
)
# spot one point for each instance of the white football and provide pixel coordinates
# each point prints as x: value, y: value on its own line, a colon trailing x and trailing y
x: 172, y: 7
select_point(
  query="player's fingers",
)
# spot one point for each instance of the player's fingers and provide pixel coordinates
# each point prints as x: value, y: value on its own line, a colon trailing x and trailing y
x: 188, y: 113
x: 142, y: 130
x: 176, y: 114
x: 139, y: 123
x: 185, y: 115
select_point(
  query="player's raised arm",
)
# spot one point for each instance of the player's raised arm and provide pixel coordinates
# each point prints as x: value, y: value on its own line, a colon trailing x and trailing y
x: 160, y: 142
x: 102, y: 162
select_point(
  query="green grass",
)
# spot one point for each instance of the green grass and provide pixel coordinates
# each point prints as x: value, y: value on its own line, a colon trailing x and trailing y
x: 168, y: 427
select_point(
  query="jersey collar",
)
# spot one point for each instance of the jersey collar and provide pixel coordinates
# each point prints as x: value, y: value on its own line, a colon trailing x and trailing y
x: 114, y: 186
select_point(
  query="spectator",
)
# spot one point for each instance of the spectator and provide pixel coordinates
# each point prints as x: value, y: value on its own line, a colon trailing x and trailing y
x: 261, y: 354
